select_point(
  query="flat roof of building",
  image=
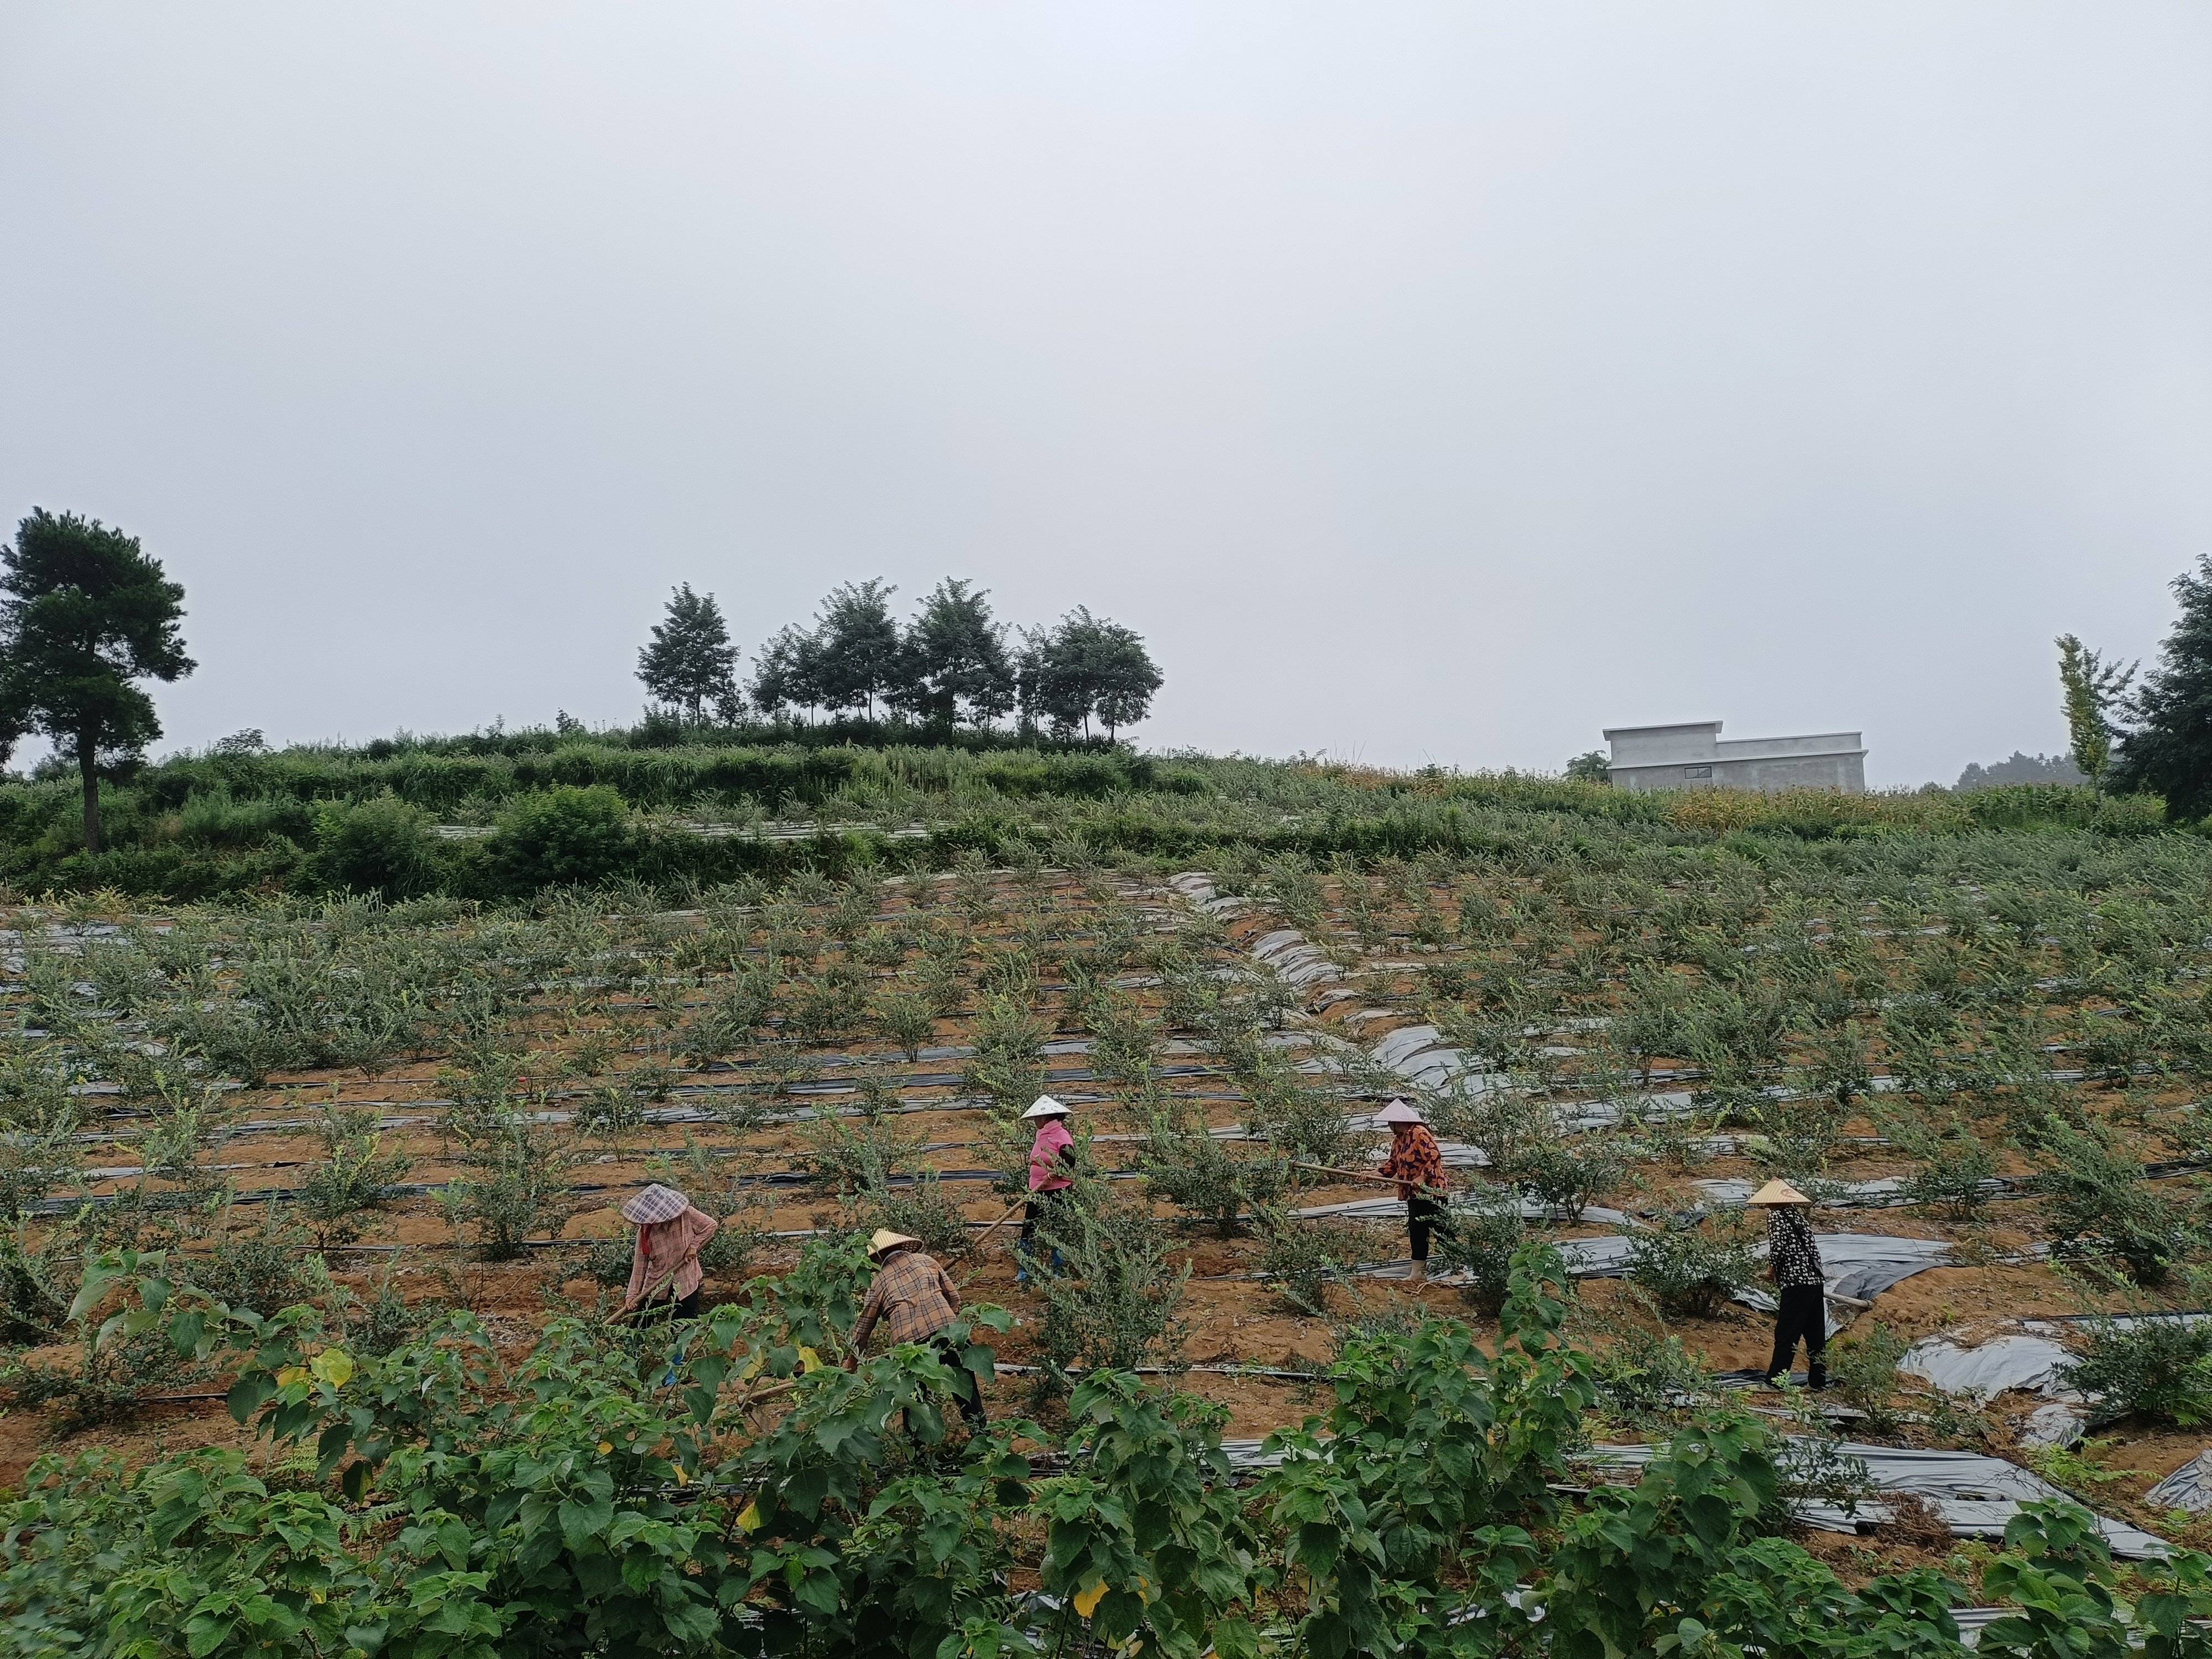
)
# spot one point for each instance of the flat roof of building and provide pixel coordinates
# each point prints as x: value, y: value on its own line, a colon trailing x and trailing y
x: 1732, y: 759
x: 1613, y: 732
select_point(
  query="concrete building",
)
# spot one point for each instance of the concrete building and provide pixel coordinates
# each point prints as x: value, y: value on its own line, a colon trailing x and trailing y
x: 1695, y: 756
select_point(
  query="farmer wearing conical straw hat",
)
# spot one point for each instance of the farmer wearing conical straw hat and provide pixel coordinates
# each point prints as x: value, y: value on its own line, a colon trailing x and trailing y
x: 915, y: 1301
x: 665, y: 1271
x: 1417, y: 1165
x: 1052, y: 1175
x: 1793, y: 1261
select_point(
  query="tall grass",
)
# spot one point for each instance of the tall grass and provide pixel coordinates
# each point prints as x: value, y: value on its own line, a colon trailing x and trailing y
x: 207, y: 826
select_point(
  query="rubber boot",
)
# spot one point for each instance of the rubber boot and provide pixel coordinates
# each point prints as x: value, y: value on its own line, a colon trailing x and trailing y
x: 1419, y: 1273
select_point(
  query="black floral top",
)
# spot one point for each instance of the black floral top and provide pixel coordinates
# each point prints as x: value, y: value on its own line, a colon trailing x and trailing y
x: 1790, y: 1247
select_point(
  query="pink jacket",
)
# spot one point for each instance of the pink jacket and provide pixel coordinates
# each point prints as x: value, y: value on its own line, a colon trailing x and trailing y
x: 1048, y: 1172
x: 665, y: 1245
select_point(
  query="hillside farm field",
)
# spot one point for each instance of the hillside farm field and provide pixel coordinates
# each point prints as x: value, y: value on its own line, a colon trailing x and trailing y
x: 1979, y: 1045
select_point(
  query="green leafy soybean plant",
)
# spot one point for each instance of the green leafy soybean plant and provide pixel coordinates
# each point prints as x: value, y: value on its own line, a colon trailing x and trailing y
x: 619, y: 1493
x: 1146, y: 1540
x: 190, y: 1556
x: 1675, y: 1566
x: 1433, y: 1468
x: 2057, y: 1575
x: 607, y: 1495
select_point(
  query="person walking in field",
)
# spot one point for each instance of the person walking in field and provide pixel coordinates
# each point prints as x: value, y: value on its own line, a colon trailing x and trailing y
x: 1417, y: 1165
x: 915, y: 1301
x: 1793, y: 1262
x: 665, y: 1271
x: 1052, y: 1177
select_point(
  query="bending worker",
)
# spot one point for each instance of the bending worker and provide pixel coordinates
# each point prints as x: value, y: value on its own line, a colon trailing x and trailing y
x: 1793, y: 1262
x: 665, y: 1271
x: 1051, y: 1177
x: 1417, y: 1165
x: 915, y: 1301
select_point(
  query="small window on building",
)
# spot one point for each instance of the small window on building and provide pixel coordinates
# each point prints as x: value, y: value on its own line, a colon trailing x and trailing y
x: 1696, y: 771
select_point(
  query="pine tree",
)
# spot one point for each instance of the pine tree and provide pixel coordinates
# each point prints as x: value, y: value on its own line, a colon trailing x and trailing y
x: 2170, y: 749
x: 691, y: 662
x: 86, y: 613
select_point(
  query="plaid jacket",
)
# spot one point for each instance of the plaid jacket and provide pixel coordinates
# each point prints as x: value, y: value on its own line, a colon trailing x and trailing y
x: 1415, y: 1163
x: 1791, y: 1249
x: 913, y: 1298
x: 664, y: 1263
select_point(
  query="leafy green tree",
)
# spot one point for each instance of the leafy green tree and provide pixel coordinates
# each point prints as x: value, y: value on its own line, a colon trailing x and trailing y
x: 2093, y: 689
x: 857, y: 655
x: 956, y: 658
x: 1596, y: 767
x: 785, y: 676
x: 1086, y: 667
x: 2170, y: 749
x: 86, y: 613
x: 691, y: 662
x: 852, y: 656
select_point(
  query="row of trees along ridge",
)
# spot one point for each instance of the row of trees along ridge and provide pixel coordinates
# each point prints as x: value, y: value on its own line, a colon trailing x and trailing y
x: 86, y: 614
x: 953, y: 662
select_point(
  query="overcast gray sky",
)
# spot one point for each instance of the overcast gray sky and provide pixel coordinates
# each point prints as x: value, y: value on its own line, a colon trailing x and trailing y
x: 1424, y: 382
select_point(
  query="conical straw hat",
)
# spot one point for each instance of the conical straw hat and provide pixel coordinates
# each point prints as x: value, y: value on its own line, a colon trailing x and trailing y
x: 1046, y: 1106
x: 654, y: 1204
x: 1776, y: 1193
x: 884, y: 1239
x: 1399, y: 1111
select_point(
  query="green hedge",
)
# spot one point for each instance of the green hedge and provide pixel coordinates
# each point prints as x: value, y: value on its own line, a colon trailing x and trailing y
x: 586, y: 811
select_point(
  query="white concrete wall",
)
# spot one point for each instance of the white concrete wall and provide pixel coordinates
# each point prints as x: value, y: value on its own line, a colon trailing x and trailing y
x: 1844, y: 772
x: 1664, y: 745
x: 1693, y: 755
x: 1826, y: 743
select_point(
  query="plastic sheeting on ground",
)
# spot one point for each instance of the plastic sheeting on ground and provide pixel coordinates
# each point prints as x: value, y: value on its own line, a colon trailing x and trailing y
x: 1298, y: 962
x: 2020, y: 1360
x: 1859, y: 1265
x: 1728, y: 1192
x: 2189, y: 1488
x: 2030, y: 1360
x: 1392, y: 1209
x: 1862, y: 1266
x: 1976, y: 1495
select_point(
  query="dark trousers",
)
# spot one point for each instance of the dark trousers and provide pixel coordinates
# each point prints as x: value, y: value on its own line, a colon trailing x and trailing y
x: 1048, y: 1207
x: 1423, y: 1215
x: 684, y: 1307
x: 1803, y: 1315
x: 971, y: 1402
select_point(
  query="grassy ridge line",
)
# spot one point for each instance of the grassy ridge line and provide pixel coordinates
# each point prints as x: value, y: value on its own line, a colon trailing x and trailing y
x: 308, y: 820
x: 784, y: 776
